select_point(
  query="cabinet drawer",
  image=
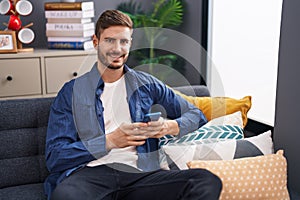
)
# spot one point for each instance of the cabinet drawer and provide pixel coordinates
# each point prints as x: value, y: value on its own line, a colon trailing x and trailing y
x: 20, y: 77
x: 62, y: 69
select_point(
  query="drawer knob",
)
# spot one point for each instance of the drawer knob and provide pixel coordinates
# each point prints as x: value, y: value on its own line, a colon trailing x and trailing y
x: 9, y: 78
x: 75, y: 74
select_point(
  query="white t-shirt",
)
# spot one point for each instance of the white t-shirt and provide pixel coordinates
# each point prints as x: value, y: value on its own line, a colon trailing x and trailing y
x: 116, y: 111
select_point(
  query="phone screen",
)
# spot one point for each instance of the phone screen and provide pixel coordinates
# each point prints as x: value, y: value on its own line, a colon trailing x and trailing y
x: 152, y: 116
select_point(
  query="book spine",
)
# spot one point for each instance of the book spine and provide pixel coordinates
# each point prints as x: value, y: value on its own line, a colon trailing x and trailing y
x: 69, y: 14
x: 68, y: 39
x: 63, y: 6
x: 69, y: 6
x: 69, y: 27
x: 68, y: 45
x: 65, y: 45
x: 69, y: 20
x: 79, y: 33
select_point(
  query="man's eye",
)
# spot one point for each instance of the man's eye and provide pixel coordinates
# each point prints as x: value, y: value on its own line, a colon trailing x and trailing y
x: 109, y: 40
x: 124, y: 42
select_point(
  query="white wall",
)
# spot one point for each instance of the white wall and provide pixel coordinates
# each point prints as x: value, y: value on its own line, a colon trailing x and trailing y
x: 243, y: 48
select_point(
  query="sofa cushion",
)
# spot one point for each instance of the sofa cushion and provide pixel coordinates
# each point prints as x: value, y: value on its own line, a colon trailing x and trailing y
x: 225, y: 127
x: 22, y: 142
x: 175, y: 152
x: 23, y: 170
x: 29, y: 191
x: 213, y: 107
x: 260, y: 177
x: 23, y: 126
x: 24, y: 113
x: 228, y: 149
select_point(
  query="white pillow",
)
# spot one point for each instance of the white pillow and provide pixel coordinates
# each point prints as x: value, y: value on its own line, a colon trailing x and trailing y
x: 227, y: 127
x: 214, y: 130
x: 182, y: 153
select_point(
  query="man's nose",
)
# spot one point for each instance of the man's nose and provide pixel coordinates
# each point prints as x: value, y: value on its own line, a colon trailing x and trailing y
x: 117, y: 46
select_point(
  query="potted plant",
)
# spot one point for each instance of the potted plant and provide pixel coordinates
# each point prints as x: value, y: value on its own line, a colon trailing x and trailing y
x: 164, y: 14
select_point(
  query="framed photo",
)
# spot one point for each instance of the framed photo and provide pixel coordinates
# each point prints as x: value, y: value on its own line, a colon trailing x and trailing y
x: 8, y: 42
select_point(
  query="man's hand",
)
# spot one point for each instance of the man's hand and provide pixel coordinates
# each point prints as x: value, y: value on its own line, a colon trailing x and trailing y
x: 128, y: 134
x: 169, y: 127
x: 135, y: 134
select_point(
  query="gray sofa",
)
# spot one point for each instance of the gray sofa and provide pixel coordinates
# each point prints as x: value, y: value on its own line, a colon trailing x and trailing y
x: 23, y: 125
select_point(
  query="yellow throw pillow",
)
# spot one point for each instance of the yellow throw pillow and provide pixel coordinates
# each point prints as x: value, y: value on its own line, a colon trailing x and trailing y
x: 213, y: 107
x: 260, y: 177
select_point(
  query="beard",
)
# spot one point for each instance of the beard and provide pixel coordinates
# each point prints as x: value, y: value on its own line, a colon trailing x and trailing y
x: 111, y: 65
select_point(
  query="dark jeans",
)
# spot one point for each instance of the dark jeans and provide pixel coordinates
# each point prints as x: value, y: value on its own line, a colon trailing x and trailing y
x: 118, y: 181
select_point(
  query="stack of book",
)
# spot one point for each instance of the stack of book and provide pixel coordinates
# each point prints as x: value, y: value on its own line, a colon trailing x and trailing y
x: 70, y: 25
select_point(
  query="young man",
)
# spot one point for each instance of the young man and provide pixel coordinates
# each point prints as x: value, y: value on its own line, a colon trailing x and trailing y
x: 98, y: 145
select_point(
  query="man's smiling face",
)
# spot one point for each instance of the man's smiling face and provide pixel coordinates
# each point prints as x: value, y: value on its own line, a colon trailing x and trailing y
x: 114, y: 45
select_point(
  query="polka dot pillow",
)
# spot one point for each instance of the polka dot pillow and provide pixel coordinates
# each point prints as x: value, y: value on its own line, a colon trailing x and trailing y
x: 261, y: 177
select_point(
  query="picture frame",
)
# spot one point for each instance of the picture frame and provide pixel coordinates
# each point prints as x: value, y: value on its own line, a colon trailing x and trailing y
x: 8, y: 42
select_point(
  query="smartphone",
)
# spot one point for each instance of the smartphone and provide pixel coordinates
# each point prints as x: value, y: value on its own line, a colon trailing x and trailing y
x: 152, y: 116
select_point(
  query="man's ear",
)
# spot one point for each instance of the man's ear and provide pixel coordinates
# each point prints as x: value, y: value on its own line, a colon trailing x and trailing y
x: 95, y: 41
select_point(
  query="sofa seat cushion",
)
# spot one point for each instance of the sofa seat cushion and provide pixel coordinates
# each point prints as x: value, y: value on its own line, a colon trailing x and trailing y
x: 23, y: 170
x: 25, y: 192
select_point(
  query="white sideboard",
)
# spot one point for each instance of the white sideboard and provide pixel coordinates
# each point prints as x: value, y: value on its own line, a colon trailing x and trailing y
x: 41, y: 73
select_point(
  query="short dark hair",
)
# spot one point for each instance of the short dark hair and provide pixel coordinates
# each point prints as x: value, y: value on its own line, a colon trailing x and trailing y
x: 112, y: 18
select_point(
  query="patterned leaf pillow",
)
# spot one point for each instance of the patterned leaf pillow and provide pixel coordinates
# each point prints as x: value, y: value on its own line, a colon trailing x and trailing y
x: 182, y: 153
x: 227, y: 127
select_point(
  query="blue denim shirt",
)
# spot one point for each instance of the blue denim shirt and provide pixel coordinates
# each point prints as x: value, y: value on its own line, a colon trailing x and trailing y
x: 66, y: 151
